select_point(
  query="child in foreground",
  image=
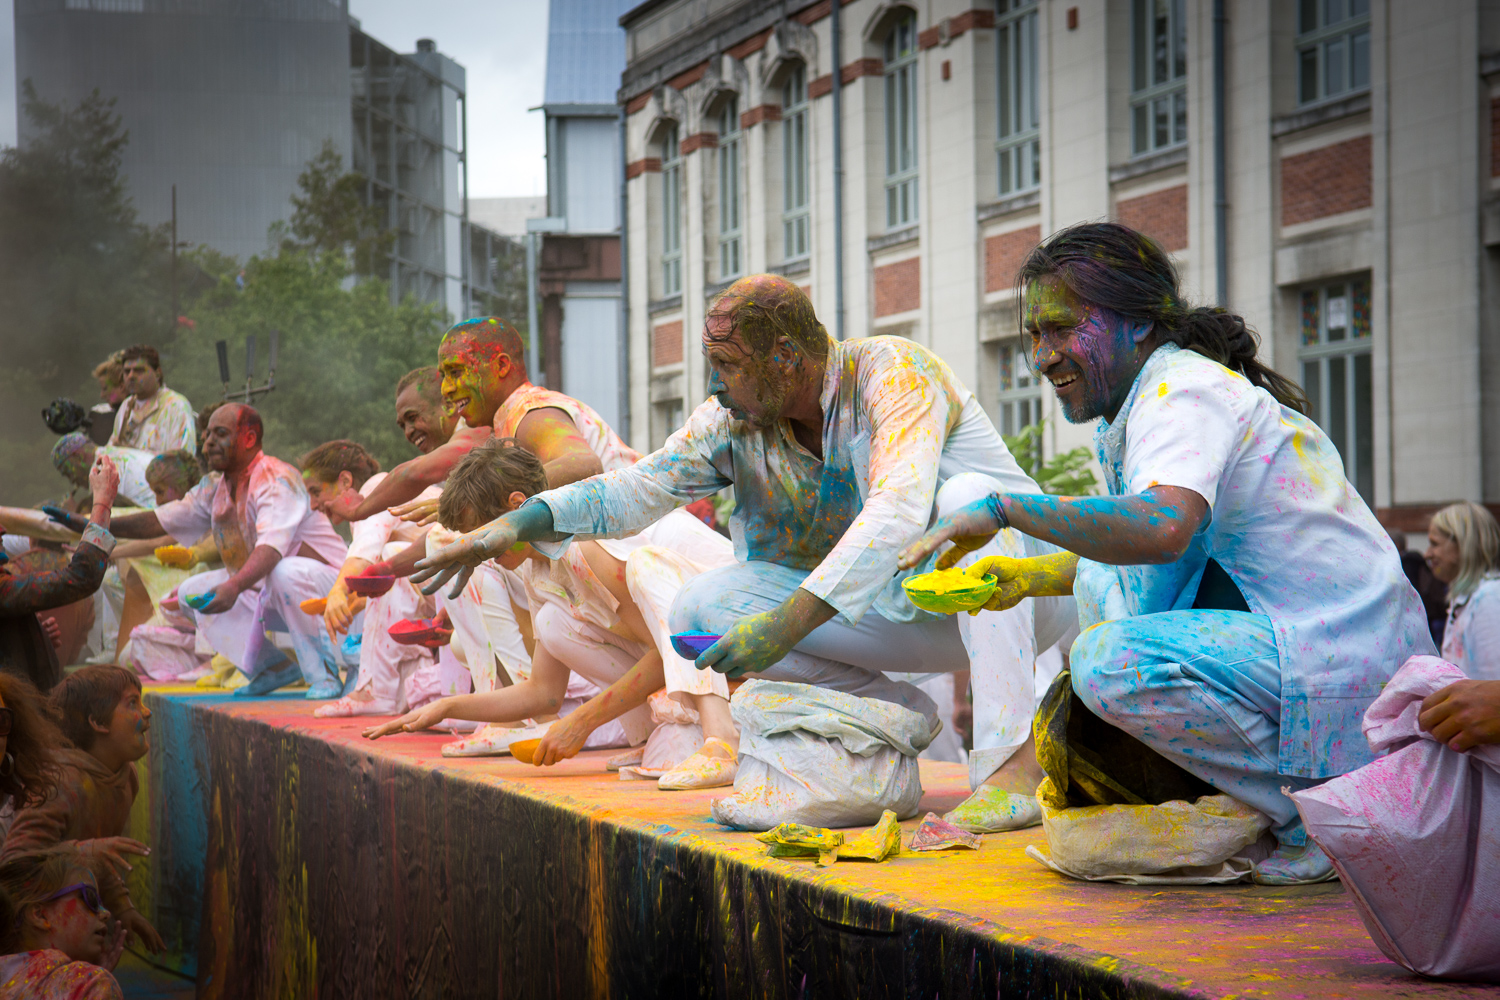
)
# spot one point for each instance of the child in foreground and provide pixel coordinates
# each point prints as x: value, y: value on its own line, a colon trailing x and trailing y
x: 101, y: 712
x: 54, y: 934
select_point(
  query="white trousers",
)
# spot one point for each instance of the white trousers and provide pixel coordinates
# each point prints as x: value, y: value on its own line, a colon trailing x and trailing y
x: 595, y: 654
x: 654, y: 576
x: 484, y: 625
x: 409, y: 676
x: 876, y: 658
x: 239, y: 634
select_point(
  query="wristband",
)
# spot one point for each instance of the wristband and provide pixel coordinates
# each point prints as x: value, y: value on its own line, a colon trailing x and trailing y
x: 998, y: 510
x: 99, y: 537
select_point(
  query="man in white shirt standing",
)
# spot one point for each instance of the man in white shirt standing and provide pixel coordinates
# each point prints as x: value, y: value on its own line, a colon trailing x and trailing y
x: 152, y: 418
x: 277, y: 552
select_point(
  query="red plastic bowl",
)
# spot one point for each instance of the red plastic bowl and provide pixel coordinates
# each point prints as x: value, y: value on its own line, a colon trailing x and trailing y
x: 369, y: 586
x: 417, y: 631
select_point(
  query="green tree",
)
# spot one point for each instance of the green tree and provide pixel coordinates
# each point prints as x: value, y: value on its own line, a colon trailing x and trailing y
x: 329, y: 216
x: 343, y: 348
x: 1067, y: 474
x: 80, y: 276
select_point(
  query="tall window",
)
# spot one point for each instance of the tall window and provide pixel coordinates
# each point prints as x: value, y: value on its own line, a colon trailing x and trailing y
x: 1158, y: 82
x: 1335, y: 358
x: 1020, y: 137
x: 1020, y: 391
x: 901, y: 123
x: 1333, y: 48
x: 730, y: 263
x: 671, y: 213
x: 795, y: 242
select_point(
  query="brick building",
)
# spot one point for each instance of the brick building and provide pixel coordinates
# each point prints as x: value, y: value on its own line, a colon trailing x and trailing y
x: 1355, y: 227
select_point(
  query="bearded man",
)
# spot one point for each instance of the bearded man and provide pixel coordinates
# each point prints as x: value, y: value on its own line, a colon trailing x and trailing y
x: 840, y: 455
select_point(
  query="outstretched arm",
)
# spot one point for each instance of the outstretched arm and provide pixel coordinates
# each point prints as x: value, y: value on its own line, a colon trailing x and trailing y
x: 550, y: 435
x: 408, y: 479
x: 541, y: 695
x: 1151, y: 527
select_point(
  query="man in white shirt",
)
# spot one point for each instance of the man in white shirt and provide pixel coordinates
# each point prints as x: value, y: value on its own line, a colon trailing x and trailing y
x: 277, y: 552
x: 152, y: 417
x: 839, y: 453
x: 1241, y: 605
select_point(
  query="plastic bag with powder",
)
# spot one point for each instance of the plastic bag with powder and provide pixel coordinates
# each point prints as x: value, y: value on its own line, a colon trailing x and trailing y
x: 819, y: 757
x: 1415, y: 835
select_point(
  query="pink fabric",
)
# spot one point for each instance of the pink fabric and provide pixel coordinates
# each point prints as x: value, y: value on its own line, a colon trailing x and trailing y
x: 1415, y: 836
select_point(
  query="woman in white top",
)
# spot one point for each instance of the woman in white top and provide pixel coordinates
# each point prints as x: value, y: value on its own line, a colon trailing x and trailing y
x: 1463, y: 551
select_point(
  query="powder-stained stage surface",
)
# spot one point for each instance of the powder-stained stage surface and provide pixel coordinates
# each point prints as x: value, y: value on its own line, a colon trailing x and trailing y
x: 338, y: 867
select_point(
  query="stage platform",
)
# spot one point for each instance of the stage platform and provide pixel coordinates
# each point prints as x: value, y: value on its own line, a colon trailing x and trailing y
x: 292, y: 858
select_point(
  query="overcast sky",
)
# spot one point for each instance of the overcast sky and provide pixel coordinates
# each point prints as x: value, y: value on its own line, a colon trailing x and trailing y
x: 501, y: 43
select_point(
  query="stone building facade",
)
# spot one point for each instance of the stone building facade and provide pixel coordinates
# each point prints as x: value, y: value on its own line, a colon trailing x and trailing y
x: 1358, y: 213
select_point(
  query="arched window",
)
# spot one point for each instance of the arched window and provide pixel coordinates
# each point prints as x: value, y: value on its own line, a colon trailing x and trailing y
x: 731, y: 259
x: 796, y: 243
x: 901, y: 123
x: 671, y: 213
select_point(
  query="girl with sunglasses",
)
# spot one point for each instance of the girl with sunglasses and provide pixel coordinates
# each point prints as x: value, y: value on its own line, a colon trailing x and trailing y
x: 55, y: 933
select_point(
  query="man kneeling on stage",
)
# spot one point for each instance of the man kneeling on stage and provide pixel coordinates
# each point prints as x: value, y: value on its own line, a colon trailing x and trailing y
x: 839, y: 453
x: 277, y: 552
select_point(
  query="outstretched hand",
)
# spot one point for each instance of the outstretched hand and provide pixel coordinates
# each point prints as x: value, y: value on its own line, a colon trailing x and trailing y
x: 345, y: 506
x: 564, y: 739
x: 414, y: 721
x: 112, y: 851
x: 756, y: 642
x: 457, y: 560
x: 968, y: 528
x: 420, y: 512
x: 138, y: 925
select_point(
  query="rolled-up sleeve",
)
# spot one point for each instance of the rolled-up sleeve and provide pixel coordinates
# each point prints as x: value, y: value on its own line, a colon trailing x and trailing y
x: 692, y: 464
x: 909, y: 414
x: 189, y: 519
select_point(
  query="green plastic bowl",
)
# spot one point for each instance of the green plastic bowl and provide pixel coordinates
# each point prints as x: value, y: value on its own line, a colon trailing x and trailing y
x: 953, y: 601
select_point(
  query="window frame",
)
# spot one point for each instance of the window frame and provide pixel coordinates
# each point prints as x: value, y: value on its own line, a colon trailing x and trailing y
x: 1017, y: 84
x: 902, y: 151
x: 728, y: 159
x: 1316, y: 41
x: 796, y: 170
x: 671, y: 212
x: 1148, y: 94
x: 1018, y: 388
x: 1347, y: 359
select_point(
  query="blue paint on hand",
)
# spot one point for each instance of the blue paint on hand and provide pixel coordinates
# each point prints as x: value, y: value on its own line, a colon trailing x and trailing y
x: 57, y: 514
x: 351, y: 644
x: 690, y: 645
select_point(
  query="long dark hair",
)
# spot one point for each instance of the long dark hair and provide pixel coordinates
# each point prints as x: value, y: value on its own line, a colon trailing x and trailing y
x: 33, y: 743
x: 1119, y: 269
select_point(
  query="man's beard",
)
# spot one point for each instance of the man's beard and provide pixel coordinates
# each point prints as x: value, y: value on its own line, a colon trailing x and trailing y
x: 774, y: 389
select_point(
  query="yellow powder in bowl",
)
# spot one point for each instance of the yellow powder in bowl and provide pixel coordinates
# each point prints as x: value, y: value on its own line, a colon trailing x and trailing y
x: 949, y: 591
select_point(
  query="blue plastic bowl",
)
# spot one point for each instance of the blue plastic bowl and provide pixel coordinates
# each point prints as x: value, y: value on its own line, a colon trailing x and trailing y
x: 689, y: 645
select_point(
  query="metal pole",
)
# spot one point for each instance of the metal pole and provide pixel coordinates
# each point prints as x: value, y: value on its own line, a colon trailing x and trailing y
x: 838, y: 170
x: 533, y: 357
x: 623, y: 413
x: 1221, y: 143
x: 175, y: 313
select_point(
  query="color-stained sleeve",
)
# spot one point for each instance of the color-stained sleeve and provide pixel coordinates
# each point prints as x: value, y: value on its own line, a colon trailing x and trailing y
x: 26, y: 593
x: 190, y: 518
x: 695, y: 462
x: 1482, y: 634
x: 368, y: 538
x: 909, y: 412
x: 179, y: 429
x: 121, y: 415
x: 1182, y: 431
x: 281, y: 505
